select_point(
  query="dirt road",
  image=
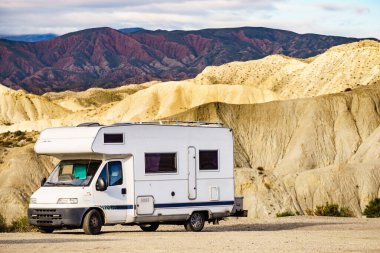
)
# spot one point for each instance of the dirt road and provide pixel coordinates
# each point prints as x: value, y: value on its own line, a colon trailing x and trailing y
x: 290, y: 234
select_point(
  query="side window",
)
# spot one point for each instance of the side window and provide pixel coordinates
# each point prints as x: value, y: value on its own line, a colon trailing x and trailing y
x: 112, y: 173
x: 160, y: 163
x: 103, y: 174
x: 208, y: 160
x: 115, y: 173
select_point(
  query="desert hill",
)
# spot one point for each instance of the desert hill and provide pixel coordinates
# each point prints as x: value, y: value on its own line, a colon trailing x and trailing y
x: 18, y: 106
x: 305, y: 131
x: 94, y: 97
x: 339, y: 68
x: 104, y: 57
x: 301, y: 153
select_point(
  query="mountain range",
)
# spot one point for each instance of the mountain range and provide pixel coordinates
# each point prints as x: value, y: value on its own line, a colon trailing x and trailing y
x: 104, y: 57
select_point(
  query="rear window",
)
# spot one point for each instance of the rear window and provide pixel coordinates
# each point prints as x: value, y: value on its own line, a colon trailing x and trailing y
x: 208, y: 160
x: 160, y: 163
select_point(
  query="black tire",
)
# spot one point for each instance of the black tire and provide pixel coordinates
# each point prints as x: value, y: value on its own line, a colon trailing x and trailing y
x: 46, y: 230
x: 92, y: 223
x: 196, y: 222
x: 149, y: 227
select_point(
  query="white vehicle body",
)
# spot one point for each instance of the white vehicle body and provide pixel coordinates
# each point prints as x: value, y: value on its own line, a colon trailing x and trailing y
x: 142, y: 196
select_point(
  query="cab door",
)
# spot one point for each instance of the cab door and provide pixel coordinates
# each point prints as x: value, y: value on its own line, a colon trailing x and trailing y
x: 113, y: 201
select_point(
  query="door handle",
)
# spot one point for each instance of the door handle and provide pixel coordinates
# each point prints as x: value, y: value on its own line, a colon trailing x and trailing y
x: 123, y: 191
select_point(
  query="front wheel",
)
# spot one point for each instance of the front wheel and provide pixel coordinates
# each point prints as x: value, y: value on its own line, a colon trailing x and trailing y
x: 92, y: 223
x: 150, y: 227
x: 196, y: 222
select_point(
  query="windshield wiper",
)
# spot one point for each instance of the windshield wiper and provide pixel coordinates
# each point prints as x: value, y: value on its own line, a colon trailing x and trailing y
x: 58, y: 184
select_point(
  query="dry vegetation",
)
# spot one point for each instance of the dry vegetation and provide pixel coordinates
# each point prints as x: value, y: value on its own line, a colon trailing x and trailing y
x: 17, y: 139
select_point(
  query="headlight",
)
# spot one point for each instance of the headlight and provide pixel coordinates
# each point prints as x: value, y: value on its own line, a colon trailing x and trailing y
x: 67, y: 201
x: 33, y: 201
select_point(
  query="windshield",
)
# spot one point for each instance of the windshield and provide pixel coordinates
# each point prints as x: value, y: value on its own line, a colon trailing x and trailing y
x: 73, y: 173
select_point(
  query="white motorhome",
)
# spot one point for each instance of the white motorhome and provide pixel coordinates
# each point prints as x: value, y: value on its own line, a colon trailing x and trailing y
x: 142, y: 174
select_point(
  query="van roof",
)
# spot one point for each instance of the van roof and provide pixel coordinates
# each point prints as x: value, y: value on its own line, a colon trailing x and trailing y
x: 160, y: 122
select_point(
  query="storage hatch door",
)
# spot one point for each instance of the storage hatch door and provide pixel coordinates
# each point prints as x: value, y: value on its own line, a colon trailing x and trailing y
x: 145, y: 205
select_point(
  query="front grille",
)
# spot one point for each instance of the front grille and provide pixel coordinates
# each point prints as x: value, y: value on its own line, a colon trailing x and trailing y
x: 46, y: 215
x: 45, y: 210
x: 44, y: 221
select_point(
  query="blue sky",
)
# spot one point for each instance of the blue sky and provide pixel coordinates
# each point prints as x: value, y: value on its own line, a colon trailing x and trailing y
x: 344, y: 18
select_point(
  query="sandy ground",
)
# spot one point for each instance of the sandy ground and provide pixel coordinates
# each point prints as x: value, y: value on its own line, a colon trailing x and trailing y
x: 289, y: 234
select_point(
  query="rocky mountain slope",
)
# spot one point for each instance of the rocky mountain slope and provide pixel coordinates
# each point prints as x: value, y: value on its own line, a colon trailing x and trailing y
x: 305, y: 131
x: 104, y: 57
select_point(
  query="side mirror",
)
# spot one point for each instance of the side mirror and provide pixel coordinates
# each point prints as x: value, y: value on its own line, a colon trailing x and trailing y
x: 43, y: 181
x: 101, y: 184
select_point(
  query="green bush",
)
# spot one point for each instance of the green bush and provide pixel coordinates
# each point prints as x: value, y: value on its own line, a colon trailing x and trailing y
x: 333, y: 210
x: 285, y: 213
x: 372, y: 210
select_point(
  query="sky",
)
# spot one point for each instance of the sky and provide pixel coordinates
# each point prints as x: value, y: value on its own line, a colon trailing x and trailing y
x: 350, y: 18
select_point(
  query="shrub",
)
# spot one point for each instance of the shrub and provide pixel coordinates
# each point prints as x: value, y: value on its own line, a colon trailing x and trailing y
x: 260, y: 168
x: 18, y: 225
x: 285, y: 213
x: 19, y: 133
x: 333, y: 210
x: 346, y: 212
x: 21, y: 225
x: 3, y: 224
x: 309, y: 211
x: 372, y: 210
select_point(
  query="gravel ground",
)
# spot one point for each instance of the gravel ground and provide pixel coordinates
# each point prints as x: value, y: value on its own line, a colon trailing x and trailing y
x: 289, y: 234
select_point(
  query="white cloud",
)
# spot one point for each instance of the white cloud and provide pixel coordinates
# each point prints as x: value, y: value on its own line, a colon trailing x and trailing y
x: 43, y: 16
x: 344, y: 7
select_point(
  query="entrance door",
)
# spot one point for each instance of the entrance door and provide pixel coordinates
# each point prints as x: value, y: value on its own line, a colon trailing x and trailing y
x: 191, y: 171
x: 113, y: 200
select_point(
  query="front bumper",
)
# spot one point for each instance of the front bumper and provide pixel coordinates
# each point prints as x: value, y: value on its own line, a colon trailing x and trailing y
x: 56, y: 217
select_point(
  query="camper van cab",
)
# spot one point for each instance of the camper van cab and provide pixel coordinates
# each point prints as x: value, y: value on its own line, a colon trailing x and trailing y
x: 143, y: 174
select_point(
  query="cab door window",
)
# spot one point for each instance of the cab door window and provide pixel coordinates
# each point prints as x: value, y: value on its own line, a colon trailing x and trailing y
x: 112, y: 173
x: 115, y: 173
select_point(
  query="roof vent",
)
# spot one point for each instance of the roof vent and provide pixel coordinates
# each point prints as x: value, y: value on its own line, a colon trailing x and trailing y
x: 89, y: 124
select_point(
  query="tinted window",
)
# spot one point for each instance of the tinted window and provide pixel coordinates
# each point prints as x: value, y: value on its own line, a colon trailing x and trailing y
x: 160, y: 163
x: 112, y: 173
x: 115, y: 173
x: 113, y: 138
x: 208, y: 159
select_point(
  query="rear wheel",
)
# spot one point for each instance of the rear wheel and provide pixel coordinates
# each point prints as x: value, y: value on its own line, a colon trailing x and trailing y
x: 149, y: 227
x: 92, y: 223
x: 196, y: 222
x: 46, y: 230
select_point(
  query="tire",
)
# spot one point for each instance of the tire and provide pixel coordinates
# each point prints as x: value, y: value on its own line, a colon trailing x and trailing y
x: 92, y: 223
x: 46, y: 230
x: 196, y: 222
x: 149, y: 227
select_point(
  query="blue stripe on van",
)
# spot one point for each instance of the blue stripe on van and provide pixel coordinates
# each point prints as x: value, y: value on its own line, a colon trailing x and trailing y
x: 212, y: 203
x: 121, y: 207
x: 168, y: 205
